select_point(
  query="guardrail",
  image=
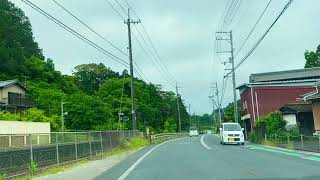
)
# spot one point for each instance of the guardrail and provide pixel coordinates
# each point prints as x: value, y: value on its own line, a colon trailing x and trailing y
x: 165, y: 136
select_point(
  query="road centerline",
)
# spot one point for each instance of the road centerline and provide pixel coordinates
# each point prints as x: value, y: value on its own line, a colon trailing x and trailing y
x: 203, y: 143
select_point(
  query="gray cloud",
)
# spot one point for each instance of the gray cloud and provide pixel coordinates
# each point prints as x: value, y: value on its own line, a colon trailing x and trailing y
x: 183, y: 32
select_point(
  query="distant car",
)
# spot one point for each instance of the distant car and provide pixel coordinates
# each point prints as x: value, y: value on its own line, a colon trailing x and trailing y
x: 193, y: 132
x: 209, y: 132
x: 231, y: 133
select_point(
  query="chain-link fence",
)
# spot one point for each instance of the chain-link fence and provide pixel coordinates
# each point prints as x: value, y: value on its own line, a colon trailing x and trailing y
x: 302, y: 142
x: 17, y: 152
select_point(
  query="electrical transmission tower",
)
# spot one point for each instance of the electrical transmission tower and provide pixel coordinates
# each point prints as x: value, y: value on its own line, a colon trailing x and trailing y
x: 227, y: 36
x: 128, y: 22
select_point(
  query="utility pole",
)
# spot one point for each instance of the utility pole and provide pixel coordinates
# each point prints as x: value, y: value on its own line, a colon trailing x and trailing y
x: 178, y: 106
x: 133, y: 110
x: 216, y: 93
x: 229, y: 39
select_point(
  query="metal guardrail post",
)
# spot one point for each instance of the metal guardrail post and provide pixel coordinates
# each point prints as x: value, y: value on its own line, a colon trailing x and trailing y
x: 302, y: 145
x: 288, y: 138
x: 101, y: 143
x: 57, y: 149
x: 76, y: 145
x: 31, y: 150
x: 90, y: 146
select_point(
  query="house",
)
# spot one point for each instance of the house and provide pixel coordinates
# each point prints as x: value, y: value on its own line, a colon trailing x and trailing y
x: 314, y: 98
x: 299, y: 114
x: 13, y: 96
x: 268, y: 92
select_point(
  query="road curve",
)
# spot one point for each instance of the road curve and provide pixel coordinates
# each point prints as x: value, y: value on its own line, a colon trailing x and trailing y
x: 193, y: 158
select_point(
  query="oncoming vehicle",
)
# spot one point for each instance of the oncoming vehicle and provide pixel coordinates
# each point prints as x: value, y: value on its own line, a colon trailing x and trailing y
x: 231, y: 133
x: 193, y: 131
x: 209, y: 132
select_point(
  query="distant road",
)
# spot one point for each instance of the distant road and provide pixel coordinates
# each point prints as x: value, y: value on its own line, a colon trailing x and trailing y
x: 193, y: 158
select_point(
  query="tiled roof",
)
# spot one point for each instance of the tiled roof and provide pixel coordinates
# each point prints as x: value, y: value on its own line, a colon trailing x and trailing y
x: 11, y: 82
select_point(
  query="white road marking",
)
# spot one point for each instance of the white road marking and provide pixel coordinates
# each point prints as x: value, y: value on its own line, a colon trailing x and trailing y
x: 128, y: 171
x: 203, y: 143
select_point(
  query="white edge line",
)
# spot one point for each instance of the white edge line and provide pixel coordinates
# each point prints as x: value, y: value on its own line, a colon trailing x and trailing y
x: 203, y: 143
x: 128, y: 171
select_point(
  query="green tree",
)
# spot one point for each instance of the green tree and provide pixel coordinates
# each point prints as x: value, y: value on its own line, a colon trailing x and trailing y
x: 312, y: 58
x: 16, y: 40
x: 228, y: 112
x: 91, y: 76
x: 87, y: 112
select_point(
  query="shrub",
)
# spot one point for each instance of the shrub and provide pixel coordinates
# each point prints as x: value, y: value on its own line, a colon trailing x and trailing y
x: 275, y: 124
x: 124, y: 143
x: 138, y: 142
x: 33, y: 167
x: 253, y: 136
x: 293, y: 131
x: 2, y: 176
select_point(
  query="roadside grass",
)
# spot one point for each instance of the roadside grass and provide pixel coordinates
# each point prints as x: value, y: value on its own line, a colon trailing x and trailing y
x: 126, y: 146
x: 268, y: 143
x: 2, y: 176
x: 290, y: 146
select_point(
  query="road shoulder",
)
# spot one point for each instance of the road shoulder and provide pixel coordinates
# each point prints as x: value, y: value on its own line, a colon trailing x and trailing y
x: 289, y: 152
x: 91, y: 169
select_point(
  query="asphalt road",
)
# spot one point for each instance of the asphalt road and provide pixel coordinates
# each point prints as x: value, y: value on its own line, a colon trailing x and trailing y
x: 189, y: 158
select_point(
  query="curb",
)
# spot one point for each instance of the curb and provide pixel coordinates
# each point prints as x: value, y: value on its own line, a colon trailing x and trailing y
x: 296, y: 152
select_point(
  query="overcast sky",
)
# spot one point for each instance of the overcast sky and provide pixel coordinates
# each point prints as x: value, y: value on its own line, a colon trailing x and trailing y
x: 183, y: 33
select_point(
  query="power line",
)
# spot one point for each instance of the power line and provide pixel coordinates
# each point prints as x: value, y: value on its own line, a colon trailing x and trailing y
x: 262, y: 37
x: 157, y: 66
x: 119, y: 14
x: 227, y: 17
x: 154, y: 61
x: 92, y: 30
x: 96, y: 33
x: 164, y: 67
x: 75, y: 33
x: 254, y: 27
x: 115, y: 9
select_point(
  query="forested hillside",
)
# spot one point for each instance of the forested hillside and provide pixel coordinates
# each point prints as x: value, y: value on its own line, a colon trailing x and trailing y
x: 93, y: 94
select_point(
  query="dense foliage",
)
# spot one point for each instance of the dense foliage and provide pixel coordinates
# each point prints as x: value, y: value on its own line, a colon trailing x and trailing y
x: 312, y: 58
x: 274, y: 123
x: 93, y: 94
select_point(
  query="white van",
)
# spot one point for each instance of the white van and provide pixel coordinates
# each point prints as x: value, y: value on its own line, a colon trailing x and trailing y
x: 193, y: 131
x: 231, y: 133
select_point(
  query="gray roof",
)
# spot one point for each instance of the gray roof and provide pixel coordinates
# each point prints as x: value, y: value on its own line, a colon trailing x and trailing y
x: 10, y: 83
x: 306, y: 82
x: 296, y: 108
x: 297, y: 74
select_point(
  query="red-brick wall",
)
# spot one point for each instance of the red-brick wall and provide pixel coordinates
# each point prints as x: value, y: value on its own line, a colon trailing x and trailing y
x: 270, y: 99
